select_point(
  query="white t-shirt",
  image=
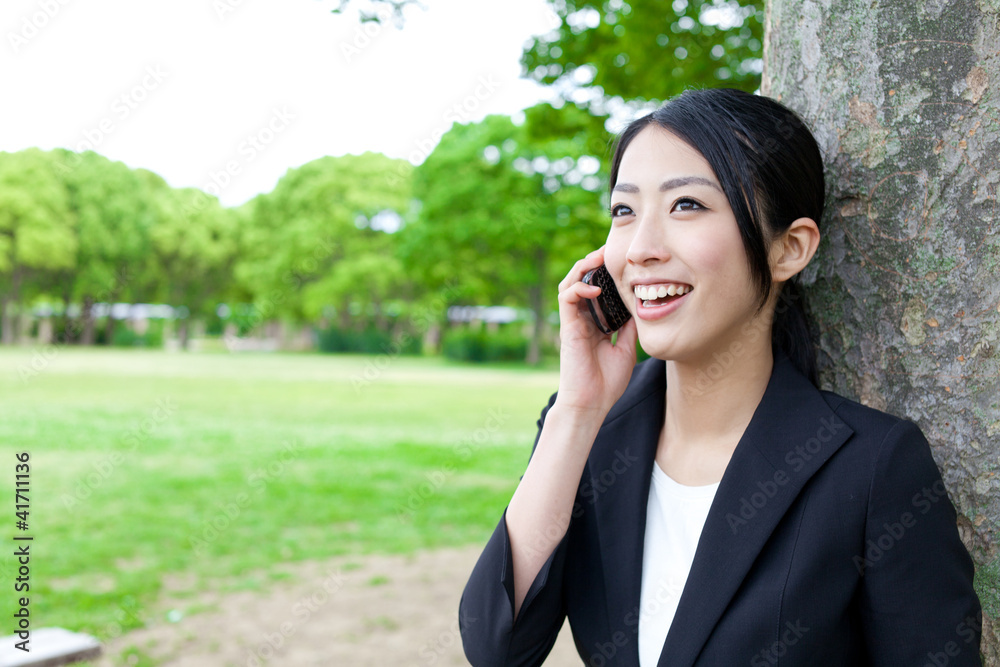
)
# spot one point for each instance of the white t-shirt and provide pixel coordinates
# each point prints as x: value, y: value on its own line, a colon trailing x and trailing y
x: 675, y: 515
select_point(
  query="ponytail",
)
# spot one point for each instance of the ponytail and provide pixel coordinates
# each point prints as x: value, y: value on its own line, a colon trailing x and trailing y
x: 790, y: 332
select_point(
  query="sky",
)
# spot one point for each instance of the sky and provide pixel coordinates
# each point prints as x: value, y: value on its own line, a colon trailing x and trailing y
x: 227, y: 95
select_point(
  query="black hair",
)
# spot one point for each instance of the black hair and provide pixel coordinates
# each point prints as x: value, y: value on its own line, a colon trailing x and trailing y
x: 771, y: 170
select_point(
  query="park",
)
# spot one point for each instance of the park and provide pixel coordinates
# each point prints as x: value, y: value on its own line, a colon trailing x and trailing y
x: 274, y: 346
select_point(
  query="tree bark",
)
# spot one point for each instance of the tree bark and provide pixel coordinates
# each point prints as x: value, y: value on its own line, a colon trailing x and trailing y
x: 109, y: 328
x: 184, y: 332
x: 11, y: 321
x: 905, y: 289
x: 6, y: 321
x: 87, y: 322
x: 537, y: 301
x: 68, y: 333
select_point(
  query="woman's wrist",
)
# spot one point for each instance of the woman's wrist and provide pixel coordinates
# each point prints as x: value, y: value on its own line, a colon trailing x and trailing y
x: 582, y: 423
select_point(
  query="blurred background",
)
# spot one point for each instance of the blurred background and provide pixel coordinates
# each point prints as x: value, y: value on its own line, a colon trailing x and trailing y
x: 277, y: 298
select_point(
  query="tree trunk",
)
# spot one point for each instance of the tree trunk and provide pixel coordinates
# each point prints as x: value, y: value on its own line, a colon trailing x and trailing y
x: 45, y: 336
x: 11, y: 321
x: 87, y: 336
x: 17, y: 323
x: 109, y: 328
x: 183, y: 333
x: 68, y: 334
x: 344, y: 315
x: 381, y: 319
x: 903, y: 100
x: 538, y: 307
x: 6, y: 322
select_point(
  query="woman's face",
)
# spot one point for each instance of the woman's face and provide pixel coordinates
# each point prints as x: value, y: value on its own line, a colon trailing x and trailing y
x: 672, y: 230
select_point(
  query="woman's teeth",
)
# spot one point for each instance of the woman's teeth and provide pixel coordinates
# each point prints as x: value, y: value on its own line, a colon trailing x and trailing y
x: 647, y: 293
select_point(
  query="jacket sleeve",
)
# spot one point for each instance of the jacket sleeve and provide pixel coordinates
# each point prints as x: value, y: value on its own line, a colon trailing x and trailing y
x: 486, y: 612
x: 918, y: 604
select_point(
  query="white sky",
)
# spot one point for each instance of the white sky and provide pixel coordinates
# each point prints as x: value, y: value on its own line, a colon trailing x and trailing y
x: 180, y: 86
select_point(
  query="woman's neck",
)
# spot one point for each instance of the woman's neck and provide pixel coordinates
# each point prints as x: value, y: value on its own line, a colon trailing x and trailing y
x: 709, y: 404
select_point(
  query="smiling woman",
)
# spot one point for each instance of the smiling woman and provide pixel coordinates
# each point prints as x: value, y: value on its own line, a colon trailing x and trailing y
x: 759, y: 517
x: 678, y: 233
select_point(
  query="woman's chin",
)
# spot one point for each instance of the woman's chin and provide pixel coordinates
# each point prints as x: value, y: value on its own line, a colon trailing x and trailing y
x: 657, y: 346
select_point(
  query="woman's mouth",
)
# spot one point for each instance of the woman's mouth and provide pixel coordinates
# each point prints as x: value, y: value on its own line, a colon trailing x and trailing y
x: 655, y: 301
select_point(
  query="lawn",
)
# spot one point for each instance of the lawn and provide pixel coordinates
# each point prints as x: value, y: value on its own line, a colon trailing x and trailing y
x: 150, y: 466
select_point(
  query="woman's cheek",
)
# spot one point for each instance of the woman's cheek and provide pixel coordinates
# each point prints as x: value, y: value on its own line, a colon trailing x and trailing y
x: 614, y: 255
x: 713, y: 256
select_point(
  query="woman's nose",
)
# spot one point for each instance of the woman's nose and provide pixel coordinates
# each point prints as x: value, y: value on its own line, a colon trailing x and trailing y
x: 649, y: 242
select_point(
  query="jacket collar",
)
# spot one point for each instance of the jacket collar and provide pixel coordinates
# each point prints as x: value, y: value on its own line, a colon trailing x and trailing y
x: 757, y: 488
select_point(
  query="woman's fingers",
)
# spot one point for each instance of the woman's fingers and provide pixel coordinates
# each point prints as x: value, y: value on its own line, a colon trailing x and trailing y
x: 572, y: 309
x: 592, y: 260
x: 577, y: 291
x: 592, y: 372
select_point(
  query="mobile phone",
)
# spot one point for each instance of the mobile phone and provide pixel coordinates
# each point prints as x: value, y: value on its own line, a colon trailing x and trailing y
x: 608, y: 309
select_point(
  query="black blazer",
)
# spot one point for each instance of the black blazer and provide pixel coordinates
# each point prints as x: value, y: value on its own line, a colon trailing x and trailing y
x: 831, y: 541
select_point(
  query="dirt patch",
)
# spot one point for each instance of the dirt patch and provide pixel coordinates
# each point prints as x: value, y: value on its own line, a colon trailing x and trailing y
x: 373, y: 610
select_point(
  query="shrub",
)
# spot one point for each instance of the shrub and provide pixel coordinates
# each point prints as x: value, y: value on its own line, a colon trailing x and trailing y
x: 125, y: 337
x: 367, y: 341
x: 465, y: 344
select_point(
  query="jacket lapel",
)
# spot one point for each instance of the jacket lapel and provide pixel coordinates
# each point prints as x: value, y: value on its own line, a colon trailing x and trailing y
x: 619, y: 475
x: 757, y: 488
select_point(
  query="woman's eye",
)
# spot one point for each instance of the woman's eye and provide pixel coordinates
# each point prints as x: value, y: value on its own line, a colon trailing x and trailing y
x: 619, y: 210
x: 687, y: 204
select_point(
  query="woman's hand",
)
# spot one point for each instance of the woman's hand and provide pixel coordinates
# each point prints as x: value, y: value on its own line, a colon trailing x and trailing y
x: 593, y: 373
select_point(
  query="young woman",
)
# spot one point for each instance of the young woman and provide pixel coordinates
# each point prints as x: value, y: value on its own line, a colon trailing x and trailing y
x: 711, y: 506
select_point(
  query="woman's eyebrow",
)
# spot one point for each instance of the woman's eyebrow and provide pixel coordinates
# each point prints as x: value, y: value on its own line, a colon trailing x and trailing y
x: 671, y: 184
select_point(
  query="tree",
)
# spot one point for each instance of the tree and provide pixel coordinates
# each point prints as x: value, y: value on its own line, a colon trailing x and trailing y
x: 321, y: 240
x: 647, y: 50
x: 632, y: 51
x: 193, y: 243
x: 114, y: 218
x: 37, y: 230
x: 905, y: 285
x: 503, y: 204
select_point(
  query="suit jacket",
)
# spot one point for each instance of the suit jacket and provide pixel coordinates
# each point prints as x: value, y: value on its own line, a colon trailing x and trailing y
x: 831, y: 541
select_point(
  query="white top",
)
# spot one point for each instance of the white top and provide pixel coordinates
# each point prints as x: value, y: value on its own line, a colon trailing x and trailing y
x: 675, y: 515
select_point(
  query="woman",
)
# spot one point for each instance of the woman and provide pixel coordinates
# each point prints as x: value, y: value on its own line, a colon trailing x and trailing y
x: 710, y: 506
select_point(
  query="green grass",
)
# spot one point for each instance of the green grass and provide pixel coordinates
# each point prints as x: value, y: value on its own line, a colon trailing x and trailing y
x: 211, y: 469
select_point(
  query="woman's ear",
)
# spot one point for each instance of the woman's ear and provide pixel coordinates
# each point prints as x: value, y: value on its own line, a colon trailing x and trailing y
x: 793, y: 248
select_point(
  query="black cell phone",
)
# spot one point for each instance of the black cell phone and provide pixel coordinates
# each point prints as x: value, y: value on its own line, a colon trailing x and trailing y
x: 609, y: 311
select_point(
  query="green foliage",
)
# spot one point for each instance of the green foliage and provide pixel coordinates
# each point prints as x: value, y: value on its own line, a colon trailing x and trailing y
x: 81, y: 229
x: 648, y: 50
x: 507, y: 208
x: 496, y: 214
x: 479, y: 345
x: 36, y: 228
x: 152, y: 338
x: 497, y: 189
x: 319, y: 239
x: 77, y: 228
x: 114, y: 214
x: 368, y: 341
x: 193, y: 245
